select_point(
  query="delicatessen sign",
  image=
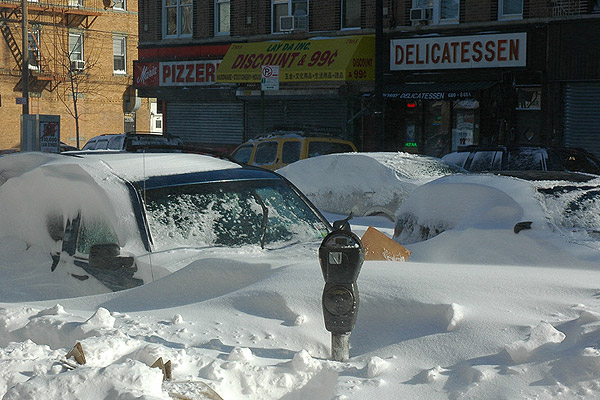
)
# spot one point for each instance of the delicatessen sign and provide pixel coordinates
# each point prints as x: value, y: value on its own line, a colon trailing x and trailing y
x: 459, y: 52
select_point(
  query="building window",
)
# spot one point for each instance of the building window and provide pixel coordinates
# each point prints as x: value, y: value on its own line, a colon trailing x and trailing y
x: 177, y: 18
x: 350, y: 14
x: 296, y: 10
x: 77, y: 63
x: 76, y: 46
x: 449, y: 10
x: 435, y: 12
x: 34, y: 49
x: 119, y: 53
x: 222, y: 17
x: 119, y: 4
x: 510, y: 9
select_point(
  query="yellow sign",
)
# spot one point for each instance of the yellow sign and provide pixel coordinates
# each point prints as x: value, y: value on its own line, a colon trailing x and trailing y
x: 351, y: 58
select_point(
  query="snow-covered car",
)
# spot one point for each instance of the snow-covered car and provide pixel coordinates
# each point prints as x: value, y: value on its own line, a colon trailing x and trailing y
x: 118, y: 219
x: 486, y: 202
x: 364, y: 183
x: 129, y: 141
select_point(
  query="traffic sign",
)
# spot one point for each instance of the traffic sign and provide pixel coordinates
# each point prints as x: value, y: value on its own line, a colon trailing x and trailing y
x: 269, y: 77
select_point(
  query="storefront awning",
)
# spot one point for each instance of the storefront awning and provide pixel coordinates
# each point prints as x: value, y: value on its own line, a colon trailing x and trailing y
x: 350, y: 58
x: 435, y: 90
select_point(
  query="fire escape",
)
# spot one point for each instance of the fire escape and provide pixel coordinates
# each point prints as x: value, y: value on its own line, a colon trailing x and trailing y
x: 46, y: 62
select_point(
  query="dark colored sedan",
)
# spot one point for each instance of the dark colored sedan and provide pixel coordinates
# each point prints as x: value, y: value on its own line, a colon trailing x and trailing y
x: 523, y: 158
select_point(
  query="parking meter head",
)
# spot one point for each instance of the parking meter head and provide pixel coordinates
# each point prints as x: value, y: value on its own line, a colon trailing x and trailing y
x: 341, y: 256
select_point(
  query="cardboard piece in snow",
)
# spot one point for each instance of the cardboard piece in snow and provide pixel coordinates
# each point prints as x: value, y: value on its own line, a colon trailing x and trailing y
x: 379, y: 247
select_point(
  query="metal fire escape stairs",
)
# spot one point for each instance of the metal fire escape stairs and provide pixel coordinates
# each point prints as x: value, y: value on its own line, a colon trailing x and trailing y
x: 39, y: 76
x: 68, y: 14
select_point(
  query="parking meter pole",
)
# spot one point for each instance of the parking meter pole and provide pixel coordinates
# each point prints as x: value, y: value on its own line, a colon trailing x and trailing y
x: 340, y: 347
x: 341, y: 256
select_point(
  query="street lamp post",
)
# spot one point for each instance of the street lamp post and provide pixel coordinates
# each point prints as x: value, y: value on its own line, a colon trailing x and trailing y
x: 379, y: 49
x: 25, y: 58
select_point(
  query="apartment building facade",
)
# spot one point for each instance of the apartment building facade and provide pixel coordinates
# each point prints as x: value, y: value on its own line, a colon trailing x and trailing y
x: 456, y: 72
x: 482, y: 72
x: 80, y: 50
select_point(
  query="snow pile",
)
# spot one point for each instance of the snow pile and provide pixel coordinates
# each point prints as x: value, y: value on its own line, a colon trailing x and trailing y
x: 362, y: 183
x: 476, y: 312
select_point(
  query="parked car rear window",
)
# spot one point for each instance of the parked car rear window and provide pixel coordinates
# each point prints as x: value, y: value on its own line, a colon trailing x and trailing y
x: 525, y: 160
x: 485, y: 161
x: 243, y: 153
x: 116, y: 143
x: 457, y: 158
x: 322, y: 148
x: 90, y: 145
x: 101, y: 144
x: 290, y: 152
x: 265, y: 153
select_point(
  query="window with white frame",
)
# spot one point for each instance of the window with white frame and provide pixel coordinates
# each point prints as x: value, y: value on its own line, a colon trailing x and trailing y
x: 510, y: 9
x: 119, y: 4
x: 298, y: 9
x: 435, y: 11
x: 350, y: 14
x: 76, y: 46
x: 222, y: 17
x: 177, y: 18
x: 119, y: 55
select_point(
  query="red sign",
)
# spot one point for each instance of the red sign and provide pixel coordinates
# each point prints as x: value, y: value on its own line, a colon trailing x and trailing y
x: 176, y: 73
x: 145, y: 74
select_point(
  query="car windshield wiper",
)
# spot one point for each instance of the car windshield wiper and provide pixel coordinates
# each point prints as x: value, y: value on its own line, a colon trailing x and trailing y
x: 265, y: 219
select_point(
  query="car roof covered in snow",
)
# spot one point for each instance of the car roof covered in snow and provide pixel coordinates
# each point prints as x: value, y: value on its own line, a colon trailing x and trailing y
x: 129, y: 166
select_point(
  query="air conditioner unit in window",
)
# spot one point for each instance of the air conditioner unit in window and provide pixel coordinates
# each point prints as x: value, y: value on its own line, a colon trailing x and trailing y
x: 77, y: 65
x: 417, y: 14
x: 429, y: 14
x: 290, y: 23
x: 421, y: 14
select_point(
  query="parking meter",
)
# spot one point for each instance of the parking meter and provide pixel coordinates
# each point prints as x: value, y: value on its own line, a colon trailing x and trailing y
x: 341, y: 256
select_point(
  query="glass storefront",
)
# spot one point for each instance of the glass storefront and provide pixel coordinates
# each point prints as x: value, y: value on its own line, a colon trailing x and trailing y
x: 432, y: 127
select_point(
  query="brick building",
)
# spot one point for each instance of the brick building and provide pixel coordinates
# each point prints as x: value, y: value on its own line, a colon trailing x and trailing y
x: 456, y: 72
x: 92, y: 41
x: 493, y: 72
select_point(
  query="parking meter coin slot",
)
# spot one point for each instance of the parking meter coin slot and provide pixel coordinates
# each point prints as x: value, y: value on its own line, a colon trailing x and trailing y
x: 341, y: 256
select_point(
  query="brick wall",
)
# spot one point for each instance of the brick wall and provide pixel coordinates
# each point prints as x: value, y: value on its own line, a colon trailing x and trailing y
x: 324, y: 15
x: 100, y: 105
x: 479, y: 10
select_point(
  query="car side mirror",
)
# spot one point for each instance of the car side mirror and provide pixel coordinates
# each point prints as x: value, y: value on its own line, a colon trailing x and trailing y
x: 344, y: 224
x: 107, y: 256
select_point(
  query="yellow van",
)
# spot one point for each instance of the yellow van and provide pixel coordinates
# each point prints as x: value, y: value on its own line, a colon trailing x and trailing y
x: 275, y: 152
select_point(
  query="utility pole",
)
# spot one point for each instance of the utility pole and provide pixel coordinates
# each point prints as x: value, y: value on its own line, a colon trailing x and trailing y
x: 25, y: 58
x: 379, y: 48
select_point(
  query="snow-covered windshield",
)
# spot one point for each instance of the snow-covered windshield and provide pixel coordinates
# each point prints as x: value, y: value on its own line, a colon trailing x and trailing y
x: 230, y: 214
